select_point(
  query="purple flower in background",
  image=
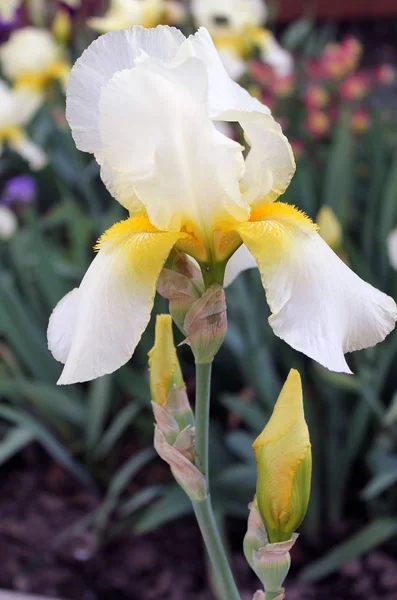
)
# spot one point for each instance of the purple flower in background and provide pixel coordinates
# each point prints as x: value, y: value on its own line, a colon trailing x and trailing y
x: 10, y: 18
x: 20, y: 189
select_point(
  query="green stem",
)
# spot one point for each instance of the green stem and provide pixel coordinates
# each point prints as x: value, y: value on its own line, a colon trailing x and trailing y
x: 203, y: 510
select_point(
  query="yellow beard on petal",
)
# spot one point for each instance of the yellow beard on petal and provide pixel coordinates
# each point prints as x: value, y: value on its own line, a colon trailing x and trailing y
x: 287, y: 214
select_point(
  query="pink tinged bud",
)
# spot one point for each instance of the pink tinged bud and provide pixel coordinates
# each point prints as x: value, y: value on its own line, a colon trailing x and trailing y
x: 182, y: 284
x: 179, y: 458
x: 259, y: 595
x: 206, y: 323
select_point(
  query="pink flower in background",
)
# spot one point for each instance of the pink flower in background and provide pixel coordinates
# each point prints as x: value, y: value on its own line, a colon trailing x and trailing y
x: 317, y: 123
x: 354, y: 87
x: 316, y: 96
x: 283, y: 86
x: 260, y: 72
x: 385, y: 74
x: 360, y: 120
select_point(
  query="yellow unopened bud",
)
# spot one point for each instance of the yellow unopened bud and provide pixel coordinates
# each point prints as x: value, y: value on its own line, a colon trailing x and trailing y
x: 330, y: 227
x: 62, y: 26
x: 165, y: 371
x: 283, y: 455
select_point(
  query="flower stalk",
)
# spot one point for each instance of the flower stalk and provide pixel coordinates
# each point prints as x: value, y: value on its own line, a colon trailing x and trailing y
x: 203, y: 510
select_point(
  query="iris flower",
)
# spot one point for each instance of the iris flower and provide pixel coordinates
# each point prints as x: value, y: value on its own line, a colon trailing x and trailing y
x: 31, y: 59
x: 17, y: 108
x: 145, y: 104
x: 237, y: 29
x: 148, y: 13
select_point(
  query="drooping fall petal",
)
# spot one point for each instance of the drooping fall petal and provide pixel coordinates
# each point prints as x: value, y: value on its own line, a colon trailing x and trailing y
x: 320, y: 307
x: 95, y: 328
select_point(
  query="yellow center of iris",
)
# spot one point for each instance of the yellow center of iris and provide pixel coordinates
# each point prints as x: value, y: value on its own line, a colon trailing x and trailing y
x: 38, y: 80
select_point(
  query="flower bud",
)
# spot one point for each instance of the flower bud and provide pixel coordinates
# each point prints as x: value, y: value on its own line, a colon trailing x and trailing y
x: 182, y: 284
x: 174, y: 429
x: 169, y: 399
x: 180, y: 457
x: 272, y: 563
x: 283, y: 455
x: 206, y: 323
x: 165, y: 371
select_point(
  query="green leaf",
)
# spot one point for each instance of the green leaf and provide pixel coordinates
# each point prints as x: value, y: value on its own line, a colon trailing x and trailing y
x: 378, y: 532
x: 140, y: 499
x: 118, y: 483
x: 174, y: 504
x: 43, y: 396
x: 22, y: 331
x: 116, y: 429
x: 99, y: 403
x: 297, y: 34
x: 15, y: 440
x: 240, y: 442
x: 58, y: 452
x: 250, y: 414
x: 380, y: 483
x: 339, y: 173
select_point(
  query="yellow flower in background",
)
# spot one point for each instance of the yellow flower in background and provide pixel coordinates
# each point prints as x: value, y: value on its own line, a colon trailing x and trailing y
x: 148, y: 13
x: 330, y: 228
x: 8, y: 9
x: 237, y: 29
x: 17, y: 107
x: 146, y: 103
x: 283, y: 456
x: 31, y: 59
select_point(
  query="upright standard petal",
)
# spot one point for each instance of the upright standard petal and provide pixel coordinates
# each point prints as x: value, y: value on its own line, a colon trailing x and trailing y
x: 157, y: 134
x: 320, y: 307
x: 270, y: 163
x: 94, y: 330
x: 106, y: 56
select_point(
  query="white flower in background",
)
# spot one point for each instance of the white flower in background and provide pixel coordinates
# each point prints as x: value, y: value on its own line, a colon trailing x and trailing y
x: 273, y: 54
x: 8, y: 223
x: 392, y: 248
x: 31, y: 58
x: 17, y: 108
x: 145, y: 104
x: 8, y: 9
x: 148, y: 13
x: 237, y: 29
x: 227, y: 17
x: 72, y: 3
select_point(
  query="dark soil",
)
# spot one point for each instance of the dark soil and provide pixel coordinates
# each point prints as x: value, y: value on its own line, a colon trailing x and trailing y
x: 42, y: 553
